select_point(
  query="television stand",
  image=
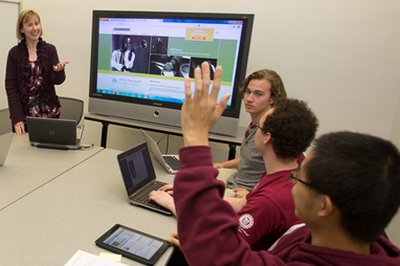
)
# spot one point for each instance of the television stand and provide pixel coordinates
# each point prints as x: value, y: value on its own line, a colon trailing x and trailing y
x: 232, y: 141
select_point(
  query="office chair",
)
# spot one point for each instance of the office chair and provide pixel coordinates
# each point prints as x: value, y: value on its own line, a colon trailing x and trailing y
x: 71, y: 108
x: 5, y: 121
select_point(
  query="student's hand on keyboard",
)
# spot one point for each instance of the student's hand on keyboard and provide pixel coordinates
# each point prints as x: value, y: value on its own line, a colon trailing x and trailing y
x: 163, y: 199
x: 167, y: 188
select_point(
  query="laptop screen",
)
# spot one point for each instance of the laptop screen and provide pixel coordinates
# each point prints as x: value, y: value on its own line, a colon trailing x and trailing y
x: 136, y: 168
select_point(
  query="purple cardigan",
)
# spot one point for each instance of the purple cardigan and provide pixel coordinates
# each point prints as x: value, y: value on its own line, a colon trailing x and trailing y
x: 18, y: 72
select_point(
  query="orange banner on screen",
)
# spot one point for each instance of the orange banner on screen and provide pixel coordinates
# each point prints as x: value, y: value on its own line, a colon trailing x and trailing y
x: 196, y: 34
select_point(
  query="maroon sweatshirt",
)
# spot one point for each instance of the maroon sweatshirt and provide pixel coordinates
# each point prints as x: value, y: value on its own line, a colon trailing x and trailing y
x: 208, y: 226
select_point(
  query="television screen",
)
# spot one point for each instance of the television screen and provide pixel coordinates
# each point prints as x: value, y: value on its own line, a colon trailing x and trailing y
x: 140, y: 60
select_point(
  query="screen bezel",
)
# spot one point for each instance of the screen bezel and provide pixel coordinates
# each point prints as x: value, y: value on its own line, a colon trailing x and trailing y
x: 100, y: 242
x: 149, y: 166
x: 247, y: 19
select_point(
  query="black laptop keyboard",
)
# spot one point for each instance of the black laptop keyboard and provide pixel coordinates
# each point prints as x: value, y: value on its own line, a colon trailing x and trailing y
x: 154, y: 185
x: 144, y: 198
x: 172, y: 161
x: 154, y: 204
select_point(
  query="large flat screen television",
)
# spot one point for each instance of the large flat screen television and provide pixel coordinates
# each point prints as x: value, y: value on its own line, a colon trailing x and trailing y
x: 139, y: 61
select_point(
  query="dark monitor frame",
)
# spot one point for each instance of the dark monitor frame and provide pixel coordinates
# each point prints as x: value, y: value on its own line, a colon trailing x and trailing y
x: 164, y: 112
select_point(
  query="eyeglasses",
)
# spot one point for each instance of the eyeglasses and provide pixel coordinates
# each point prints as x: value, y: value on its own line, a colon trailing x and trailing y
x: 295, y: 179
x: 257, y: 125
x: 260, y: 128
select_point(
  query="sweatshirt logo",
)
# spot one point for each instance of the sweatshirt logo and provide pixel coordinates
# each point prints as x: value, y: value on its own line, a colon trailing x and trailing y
x: 246, y: 221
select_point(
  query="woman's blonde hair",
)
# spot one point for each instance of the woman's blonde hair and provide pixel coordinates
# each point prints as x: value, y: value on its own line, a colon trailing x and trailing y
x: 24, y: 16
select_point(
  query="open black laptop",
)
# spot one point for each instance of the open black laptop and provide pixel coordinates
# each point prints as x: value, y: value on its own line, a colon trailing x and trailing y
x: 53, y: 133
x: 139, y: 177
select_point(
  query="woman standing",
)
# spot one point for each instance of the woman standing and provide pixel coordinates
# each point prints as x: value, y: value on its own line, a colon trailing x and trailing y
x: 33, y: 68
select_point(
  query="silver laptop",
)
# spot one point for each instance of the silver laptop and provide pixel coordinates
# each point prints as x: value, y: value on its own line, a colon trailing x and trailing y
x: 5, y: 142
x: 139, y: 177
x: 168, y: 161
x: 53, y: 133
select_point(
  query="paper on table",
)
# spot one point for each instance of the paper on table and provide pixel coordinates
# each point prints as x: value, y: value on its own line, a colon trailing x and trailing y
x: 82, y: 258
x: 111, y: 256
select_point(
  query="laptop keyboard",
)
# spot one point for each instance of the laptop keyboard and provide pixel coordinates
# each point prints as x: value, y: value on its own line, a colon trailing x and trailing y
x: 154, y: 185
x: 144, y: 198
x: 154, y: 204
x: 172, y: 161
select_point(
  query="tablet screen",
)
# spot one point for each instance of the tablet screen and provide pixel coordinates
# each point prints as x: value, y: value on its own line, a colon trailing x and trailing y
x: 133, y: 244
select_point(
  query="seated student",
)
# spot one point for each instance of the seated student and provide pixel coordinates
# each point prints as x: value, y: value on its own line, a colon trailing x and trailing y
x: 260, y: 90
x: 283, y: 134
x: 346, y: 192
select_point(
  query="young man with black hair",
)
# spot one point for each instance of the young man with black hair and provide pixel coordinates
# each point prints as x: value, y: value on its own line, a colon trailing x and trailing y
x: 284, y: 132
x: 346, y: 192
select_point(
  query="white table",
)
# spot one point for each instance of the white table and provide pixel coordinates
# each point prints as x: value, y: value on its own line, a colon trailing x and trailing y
x: 69, y: 213
x: 28, y: 168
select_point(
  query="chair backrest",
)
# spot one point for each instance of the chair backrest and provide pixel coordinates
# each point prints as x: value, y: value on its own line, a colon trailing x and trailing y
x: 71, y: 108
x: 5, y: 121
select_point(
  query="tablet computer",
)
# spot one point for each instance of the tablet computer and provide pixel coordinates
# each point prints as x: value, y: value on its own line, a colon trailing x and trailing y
x: 133, y: 244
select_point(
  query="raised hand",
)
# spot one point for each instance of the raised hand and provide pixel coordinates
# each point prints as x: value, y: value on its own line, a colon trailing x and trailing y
x: 201, y: 111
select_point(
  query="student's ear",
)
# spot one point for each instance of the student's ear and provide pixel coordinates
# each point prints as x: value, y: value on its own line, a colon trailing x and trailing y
x: 271, y: 101
x: 326, y: 206
x: 267, y: 137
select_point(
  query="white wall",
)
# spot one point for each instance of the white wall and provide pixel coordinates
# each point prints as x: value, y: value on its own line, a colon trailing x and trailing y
x: 9, y: 13
x: 341, y: 56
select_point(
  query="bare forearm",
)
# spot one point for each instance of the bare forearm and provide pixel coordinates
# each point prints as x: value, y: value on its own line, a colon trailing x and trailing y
x: 228, y: 164
x: 236, y: 203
